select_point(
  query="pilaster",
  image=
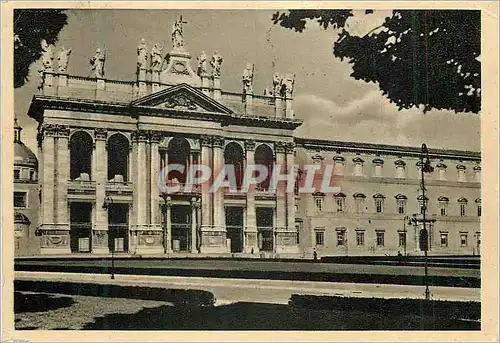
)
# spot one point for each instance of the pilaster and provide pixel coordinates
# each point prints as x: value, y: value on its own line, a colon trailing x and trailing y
x: 206, y: 197
x: 250, y: 234
x: 100, y: 175
x: 155, y: 170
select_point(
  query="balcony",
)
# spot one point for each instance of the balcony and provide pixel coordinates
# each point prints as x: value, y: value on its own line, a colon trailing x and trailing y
x: 181, y: 188
x: 81, y: 187
x: 119, y: 188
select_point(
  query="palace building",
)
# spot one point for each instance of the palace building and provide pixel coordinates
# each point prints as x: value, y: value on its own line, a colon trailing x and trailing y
x: 103, y: 144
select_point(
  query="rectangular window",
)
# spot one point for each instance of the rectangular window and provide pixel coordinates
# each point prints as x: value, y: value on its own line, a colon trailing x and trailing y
x: 32, y: 175
x: 341, y: 237
x: 401, y: 239
x: 463, y: 239
x: 380, y: 238
x: 378, y: 170
x: 379, y: 205
x: 20, y: 199
x: 319, y: 204
x: 320, y: 237
x: 401, y: 206
x: 444, y: 239
x: 360, y: 238
x: 479, y: 210
x: 443, y: 210
x: 340, y: 204
x: 462, y: 210
x: 17, y: 174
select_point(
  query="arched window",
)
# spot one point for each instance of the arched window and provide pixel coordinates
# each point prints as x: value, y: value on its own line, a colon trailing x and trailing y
x: 401, y: 203
x: 358, y: 166
x: 179, y: 151
x: 461, y: 172
x: 81, y: 146
x: 379, y: 202
x: 477, y: 173
x: 400, y: 168
x: 118, y: 158
x: 359, y: 202
x: 233, y: 155
x: 441, y: 170
x: 264, y: 156
x: 462, y: 202
x: 377, y: 165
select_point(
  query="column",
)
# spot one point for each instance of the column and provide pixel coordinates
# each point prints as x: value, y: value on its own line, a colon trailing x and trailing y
x: 168, y: 226
x: 194, y: 206
x: 292, y: 234
x: 100, y: 176
x: 278, y: 110
x: 279, y: 148
x: 290, y: 196
x: 62, y: 173
x: 48, y: 175
x: 141, y: 180
x: 250, y: 234
x: 155, y: 169
x: 219, y: 219
x: 206, y: 206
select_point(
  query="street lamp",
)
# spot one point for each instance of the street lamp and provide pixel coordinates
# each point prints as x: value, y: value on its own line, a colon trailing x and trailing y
x: 425, y: 167
x: 105, y: 206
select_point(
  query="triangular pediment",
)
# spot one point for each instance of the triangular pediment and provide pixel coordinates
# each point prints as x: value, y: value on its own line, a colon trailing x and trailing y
x: 182, y: 97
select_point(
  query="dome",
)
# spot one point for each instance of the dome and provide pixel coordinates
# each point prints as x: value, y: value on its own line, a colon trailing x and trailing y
x: 23, y: 156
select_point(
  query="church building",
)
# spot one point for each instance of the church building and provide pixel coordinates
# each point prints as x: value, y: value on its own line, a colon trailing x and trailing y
x: 104, y: 148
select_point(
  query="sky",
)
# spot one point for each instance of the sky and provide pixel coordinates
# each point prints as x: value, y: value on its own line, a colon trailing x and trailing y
x: 332, y: 104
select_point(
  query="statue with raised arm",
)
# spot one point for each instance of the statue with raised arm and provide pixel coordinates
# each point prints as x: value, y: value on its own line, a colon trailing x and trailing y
x: 142, y: 55
x: 156, y: 57
x: 202, y: 64
x: 277, y: 84
x: 47, y: 56
x: 216, y: 63
x: 247, y: 78
x: 97, y: 63
x: 287, y: 84
x: 177, y: 39
x: 62, y: 60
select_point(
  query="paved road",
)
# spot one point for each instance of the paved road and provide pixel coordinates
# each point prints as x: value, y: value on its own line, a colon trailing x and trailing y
x: 267, y: 291
x: 265, y: 266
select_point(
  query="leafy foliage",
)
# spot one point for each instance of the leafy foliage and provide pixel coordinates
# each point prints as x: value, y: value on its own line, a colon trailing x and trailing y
x: 31, y: 26
x: 418, y: 58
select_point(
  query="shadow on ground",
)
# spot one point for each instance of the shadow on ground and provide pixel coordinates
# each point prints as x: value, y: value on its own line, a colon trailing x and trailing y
x: 39, y: 302
x: 257, y: 316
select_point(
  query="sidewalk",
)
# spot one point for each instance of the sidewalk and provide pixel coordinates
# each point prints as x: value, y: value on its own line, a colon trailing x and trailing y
x: 230, y: 290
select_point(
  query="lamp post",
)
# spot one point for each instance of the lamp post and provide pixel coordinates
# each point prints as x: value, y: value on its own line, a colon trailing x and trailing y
x: 425, y: 167
x: 105, y: 206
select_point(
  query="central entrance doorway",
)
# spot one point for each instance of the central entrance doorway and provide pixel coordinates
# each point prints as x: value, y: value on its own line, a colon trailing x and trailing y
x: 181, y: 222
x: 234, y: 227
x: 265, y: 228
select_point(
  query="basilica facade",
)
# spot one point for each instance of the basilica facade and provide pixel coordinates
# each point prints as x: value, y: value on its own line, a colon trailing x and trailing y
x: 104, y: 148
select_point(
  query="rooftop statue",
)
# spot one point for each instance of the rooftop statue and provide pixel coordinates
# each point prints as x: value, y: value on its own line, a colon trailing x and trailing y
x: 287, y: 85
x: 202, y: 64
x: 247, y: 78
x: 142, y: 55
x: 177, y: 38
x: 97, y: 63
x: 62, y: 60
x: 216, y: 63
x: 277, y: 84
x: 156, y: 57
x: 47, y: 56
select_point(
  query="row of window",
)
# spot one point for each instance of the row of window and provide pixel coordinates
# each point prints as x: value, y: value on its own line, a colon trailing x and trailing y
x: 341, y: 238
x: 401, y: 203
x: 400, y: 168
x: 25, y: 174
